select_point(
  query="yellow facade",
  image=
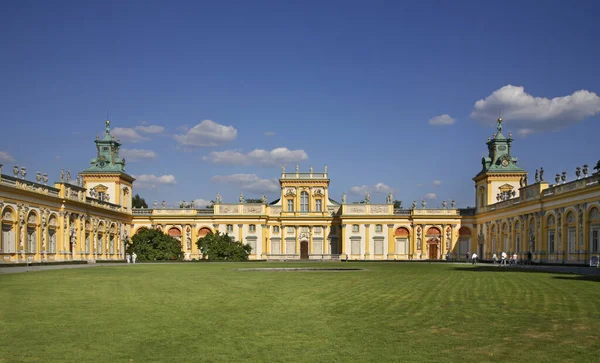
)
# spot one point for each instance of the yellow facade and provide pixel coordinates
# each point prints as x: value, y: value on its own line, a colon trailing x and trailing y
x: 555, y: 223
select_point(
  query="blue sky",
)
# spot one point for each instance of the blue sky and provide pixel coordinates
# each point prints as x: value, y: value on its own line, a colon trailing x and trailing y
x: 353, y: 85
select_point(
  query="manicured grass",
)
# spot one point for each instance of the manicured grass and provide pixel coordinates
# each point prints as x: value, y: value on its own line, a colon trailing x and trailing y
x: 212, y: 312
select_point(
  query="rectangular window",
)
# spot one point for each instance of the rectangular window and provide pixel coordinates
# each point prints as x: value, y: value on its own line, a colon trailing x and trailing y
x: 304, y: 230
x: 378, y: 228
x: 252, y: 244
x: 7, y: 238
x: 595, y: 241
x: 252, y: 228
x: 572, y: 239
x: 304, y: 202
x: 355, y: 228
x: 87, y: 243
x: 275, y: 229
x: 290, y: 230
x: 318, y: 230
x: 355, y: 246
x: 229, y: 228
x: 551, y: 242
x: 290, y: 205
x: 318, y: 205
x: 378, y: 242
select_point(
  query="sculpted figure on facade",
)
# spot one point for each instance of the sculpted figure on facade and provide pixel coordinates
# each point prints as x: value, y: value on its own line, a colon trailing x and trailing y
x: 241, y: 198
x: 537, y: 176
x: 368, y: 198
x: 343, y: 198
x: 264, y: 199
x: 542, y: 174
x: 389, y: 198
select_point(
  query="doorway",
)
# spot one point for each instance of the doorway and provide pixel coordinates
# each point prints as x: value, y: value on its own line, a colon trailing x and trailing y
x: 304, y: 250
x: 433, y: 251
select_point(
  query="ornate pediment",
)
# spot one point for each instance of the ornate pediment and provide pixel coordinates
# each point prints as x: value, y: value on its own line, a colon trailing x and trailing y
x: 290, y: 192
x: 318, y: 192
x: 506, y: 187
x: 100, y: 188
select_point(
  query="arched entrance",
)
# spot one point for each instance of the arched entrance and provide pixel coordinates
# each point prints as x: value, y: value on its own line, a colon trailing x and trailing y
x: 304, y: 250
x: 434, y: 236
x: 202, y: 232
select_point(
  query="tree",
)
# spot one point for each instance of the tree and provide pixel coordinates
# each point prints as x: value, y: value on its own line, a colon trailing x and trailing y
x: 222, y: 247
x: 397, y: 204
x: 597, y: 167
x: 152, y: 245
x: 138, y: 202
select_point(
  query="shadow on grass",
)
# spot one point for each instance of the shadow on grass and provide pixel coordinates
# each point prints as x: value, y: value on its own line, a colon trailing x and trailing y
x: 578, y: 277
x: 581, y: 273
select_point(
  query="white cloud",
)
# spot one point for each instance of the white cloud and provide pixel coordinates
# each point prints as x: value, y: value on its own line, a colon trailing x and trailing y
x: 532, y: 114
x: 201, y: 203
x: 207, y: 133
x: 430, y: 196
x: 137, y: 154
x: 379, y: 188
x: 6, y: 157
x: 127, y: 134
x: 444, y: 119
x: 437, y: 182
x: 261, y: 157
x: 151, y: 129
x: 249, y: 182
x: 149, y: 181
x: 269, y: 133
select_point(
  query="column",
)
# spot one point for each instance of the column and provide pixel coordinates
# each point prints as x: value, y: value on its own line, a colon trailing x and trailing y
x: 194, y: 237
x: 367, y: 241
x: 240, y: 232
x: 326, y: 249
x: 343, y: 241
x: 265, y: 240
x: 391, y: 242
x: 310, y: 240
x: 297, y: 228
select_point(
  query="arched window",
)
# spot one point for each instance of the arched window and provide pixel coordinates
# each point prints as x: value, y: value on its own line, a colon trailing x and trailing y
x: 304, y: 202
x: 551, y: 226
x: 175, y: 233
x: 7, y: 242
x: 571, y: 232
x: 32, y: 233
x: 594, y: 223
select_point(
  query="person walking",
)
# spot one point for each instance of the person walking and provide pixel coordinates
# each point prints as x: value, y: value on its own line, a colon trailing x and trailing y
x: 128, y: 257
x: 503, y: 263
x: 468, y: 255
x: 134, y: 257
x: 494, y: 259
x: 474, y: 258
x: 529, y: 258
x: 515, y: 258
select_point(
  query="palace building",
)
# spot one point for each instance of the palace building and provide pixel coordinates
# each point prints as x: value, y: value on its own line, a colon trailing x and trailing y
x: 89, y: 218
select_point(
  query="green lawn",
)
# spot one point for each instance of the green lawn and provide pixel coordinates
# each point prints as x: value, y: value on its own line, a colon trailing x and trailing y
x: 410, y: 312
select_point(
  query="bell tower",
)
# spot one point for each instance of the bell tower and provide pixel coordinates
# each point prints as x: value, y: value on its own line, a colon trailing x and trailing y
x: 106, y: 179
x: 500, y: 177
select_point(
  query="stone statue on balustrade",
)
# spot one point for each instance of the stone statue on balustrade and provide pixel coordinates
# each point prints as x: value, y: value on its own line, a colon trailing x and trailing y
x: 343, y: 198
x: 542, y: 174
x: 242, y: 198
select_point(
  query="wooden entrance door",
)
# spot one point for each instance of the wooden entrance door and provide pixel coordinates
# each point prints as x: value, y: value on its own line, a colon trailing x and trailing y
x: 433, y: 251
x: 304, y: 250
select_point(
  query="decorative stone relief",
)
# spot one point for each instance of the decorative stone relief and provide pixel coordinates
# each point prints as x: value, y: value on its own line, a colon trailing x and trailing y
x: 358, y: 209
x: 228, y: 209
x: 252, y: 209
x: 379, y: 209
x: 7, y: 216
x: 317, y: 192
x: 290, y: 192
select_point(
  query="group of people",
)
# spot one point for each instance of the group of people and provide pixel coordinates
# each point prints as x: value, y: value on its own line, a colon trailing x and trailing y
x: 472, y: 257
x: 503, y: 257
x: 131, y: 258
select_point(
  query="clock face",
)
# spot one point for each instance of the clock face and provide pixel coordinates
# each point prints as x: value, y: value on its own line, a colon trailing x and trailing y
x: 505, y: 162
